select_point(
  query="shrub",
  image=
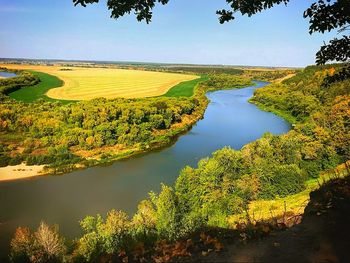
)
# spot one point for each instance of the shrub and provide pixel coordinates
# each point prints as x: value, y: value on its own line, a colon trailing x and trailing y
x: 4, y: 160
x: 284, y: 180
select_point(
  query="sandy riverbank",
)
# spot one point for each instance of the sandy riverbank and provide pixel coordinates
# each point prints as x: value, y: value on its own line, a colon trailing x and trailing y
x: 20, y: 171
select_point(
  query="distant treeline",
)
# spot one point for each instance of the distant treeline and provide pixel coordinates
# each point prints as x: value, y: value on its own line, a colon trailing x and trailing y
x: 206, y: 70
x: 227, y: 81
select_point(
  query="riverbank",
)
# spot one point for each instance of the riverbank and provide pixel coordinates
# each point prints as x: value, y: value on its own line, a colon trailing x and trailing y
x: 285, y: 115
x: 270, y: 108
x: 21, y: 171
x: 106, y: 155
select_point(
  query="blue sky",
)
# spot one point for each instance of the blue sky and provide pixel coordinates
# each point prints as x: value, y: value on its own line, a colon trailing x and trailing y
x: 184, y: 31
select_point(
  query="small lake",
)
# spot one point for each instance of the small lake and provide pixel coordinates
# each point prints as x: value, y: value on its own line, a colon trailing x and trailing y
x: 230, y: 120
x: 4, y: 74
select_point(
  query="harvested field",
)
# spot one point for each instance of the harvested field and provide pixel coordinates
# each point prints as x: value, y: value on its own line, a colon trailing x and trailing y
x: 89, y: 83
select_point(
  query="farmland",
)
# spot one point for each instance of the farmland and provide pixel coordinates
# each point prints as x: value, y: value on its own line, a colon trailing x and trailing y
x: 184, y: 89
x: 90, y: 83
x: 38, y: 91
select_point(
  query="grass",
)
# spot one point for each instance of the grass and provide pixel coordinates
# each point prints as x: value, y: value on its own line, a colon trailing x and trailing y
x: 264, y: 210
x: 185, y: 89
x: 33, y: 93
x: 88, y: 83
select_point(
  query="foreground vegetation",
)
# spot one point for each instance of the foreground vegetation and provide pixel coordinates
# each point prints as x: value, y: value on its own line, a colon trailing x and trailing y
x: 227, y: 184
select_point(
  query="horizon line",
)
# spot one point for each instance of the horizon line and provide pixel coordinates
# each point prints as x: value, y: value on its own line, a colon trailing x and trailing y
x: 147, y: 63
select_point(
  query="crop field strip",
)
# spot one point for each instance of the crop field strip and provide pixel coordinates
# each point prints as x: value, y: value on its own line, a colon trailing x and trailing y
x: 89, y: 83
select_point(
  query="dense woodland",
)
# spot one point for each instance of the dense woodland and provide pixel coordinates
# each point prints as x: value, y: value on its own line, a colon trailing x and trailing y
x: 225, y: 81
x: 224, y: 184
x: 205, y: 70
x: 100, y: 130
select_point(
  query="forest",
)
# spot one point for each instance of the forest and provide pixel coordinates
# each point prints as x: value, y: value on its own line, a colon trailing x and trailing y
x: 223, y: 184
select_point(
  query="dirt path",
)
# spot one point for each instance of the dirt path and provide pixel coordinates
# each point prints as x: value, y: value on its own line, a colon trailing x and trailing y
x: 322, y: 236
x: 284, y: 78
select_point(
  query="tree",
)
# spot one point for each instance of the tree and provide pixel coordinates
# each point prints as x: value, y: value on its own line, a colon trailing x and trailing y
x: 144, y: 221
x: 101, y: 236
x: 141, y: 8
x: 168, y: 217
x: 44, y: 245
x: 22, y: 245
x: 50, y: 243
x: 324, y: 15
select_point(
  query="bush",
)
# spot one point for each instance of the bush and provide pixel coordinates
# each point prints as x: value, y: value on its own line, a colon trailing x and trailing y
x: 284, y: 180
x: 18, y: 159
x: 311, y: 168
x: 4, y: 160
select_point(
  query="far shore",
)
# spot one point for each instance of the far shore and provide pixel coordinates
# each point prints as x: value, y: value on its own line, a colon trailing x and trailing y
x: 20, y: 171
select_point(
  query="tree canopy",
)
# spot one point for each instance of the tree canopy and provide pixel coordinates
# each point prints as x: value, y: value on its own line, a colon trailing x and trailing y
x: 324, y: 15
x: 141, y: 8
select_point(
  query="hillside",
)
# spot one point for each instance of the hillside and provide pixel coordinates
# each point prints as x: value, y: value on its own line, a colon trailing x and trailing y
x: 322, y: 235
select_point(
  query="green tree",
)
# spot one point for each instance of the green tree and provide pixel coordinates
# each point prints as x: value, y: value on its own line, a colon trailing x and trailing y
x: 168, y: 217
x: 103, y: 237
x: 144, y: 221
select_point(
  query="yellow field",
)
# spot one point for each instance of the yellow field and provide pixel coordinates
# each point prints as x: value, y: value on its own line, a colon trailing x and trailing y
x: 89, y: 83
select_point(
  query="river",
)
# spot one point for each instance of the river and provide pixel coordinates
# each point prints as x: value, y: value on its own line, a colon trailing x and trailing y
x: 230, y: 120
x: 4, y: 74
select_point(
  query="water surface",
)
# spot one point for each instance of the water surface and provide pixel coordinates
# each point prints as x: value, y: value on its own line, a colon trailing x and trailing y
x: 7, y: 74
x: 229, y: 121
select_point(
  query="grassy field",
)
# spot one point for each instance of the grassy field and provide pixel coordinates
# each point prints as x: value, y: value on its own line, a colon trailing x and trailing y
x: 33, y: 93
x: 88, y: 83
x: 184, y: 89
